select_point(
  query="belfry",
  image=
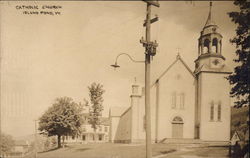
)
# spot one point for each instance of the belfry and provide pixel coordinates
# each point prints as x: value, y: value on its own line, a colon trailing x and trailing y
x: 210, y: 44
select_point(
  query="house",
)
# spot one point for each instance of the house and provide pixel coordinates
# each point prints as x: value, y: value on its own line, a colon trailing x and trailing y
x: 88, y: 134
x: 21, y: 147
x: 184, y: 103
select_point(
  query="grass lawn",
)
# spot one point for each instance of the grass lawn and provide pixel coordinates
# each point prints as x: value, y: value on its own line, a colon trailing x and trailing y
x: 212, y: 152
x: 200, y: 152
x: 106, y: 150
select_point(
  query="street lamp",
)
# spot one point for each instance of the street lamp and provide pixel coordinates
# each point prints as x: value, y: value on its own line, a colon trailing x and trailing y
x: 117, y: 66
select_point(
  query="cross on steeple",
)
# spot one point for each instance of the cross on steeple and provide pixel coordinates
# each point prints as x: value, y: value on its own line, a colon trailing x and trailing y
x: 178, y: 52
x: 210, y: 10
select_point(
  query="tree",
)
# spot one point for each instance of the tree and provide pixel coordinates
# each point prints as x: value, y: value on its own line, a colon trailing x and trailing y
x: 64, y: 117
x: 6, y: 144
x: 95, y: 93
x: 240, y: 78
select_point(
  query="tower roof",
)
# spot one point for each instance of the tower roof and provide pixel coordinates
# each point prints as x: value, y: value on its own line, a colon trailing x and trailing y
x: 210, y: 20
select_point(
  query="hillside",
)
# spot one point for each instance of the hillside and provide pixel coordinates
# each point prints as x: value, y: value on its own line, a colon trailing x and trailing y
x: 239, y: 120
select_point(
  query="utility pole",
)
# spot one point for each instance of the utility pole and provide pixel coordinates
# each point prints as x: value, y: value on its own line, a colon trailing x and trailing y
x: 150, y: 50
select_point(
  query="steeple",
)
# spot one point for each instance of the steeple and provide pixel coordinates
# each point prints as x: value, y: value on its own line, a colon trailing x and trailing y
x: 210, y: 19
x: 210, y: 43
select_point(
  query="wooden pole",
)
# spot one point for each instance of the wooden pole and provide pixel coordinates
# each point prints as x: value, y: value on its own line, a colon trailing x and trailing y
x: 150, y: 50
x: 147, y: 86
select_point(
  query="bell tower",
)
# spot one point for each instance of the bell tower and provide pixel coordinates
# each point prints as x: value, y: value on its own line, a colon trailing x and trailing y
x: 212, y: 112
x: 210, y: 44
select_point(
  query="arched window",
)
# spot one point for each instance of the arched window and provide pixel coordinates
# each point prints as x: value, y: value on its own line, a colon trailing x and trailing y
x: 212, y: 111
x: 182, y: 100
x: 215, y: 45
x: 206, y: 46
x: 177, y: 119
x: 173, y: 100
x: 219, y: 111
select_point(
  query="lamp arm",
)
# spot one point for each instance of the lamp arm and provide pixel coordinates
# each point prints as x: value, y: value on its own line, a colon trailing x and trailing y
x: 136, y: 61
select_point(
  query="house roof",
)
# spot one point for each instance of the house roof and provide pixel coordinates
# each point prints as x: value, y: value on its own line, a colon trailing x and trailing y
x: 117, y: 111
x: 21, y: 143
x: 178, y: 58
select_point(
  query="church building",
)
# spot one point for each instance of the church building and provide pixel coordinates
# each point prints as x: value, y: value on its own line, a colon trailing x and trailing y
x: 185, y: 103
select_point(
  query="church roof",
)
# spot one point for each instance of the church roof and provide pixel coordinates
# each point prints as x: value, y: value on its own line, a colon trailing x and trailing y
x: 178, y: 58
x: 117, y: 111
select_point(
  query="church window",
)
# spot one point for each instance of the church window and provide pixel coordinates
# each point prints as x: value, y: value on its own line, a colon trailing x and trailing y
x: 182, y: 100
x: 174, y: 100
x: 212, y: 111
x: 177, y: 119
x: 144, y: 122
x: 206, y: 46
x: 215, y: 45
x: 219, y: 111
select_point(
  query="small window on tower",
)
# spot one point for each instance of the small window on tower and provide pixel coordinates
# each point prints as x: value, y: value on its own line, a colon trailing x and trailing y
x: 206, y: 46
x: 212, y: 111
x: 219, y: 111
x: 215, y: 45
x: 144, y: 123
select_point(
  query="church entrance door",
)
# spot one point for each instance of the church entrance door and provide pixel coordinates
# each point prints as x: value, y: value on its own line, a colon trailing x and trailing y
x: 177, y: 127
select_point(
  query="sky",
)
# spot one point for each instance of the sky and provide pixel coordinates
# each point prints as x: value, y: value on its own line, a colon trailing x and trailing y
x: 48, y: 56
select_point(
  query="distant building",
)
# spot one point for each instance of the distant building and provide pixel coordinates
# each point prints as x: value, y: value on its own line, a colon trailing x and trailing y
x: 88, y: 134
x: 236, y: 138
x: 185, y: 104
x: 21, y: 147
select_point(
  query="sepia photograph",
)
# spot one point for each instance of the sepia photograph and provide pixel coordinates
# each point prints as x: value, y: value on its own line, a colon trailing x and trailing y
x: 124, y: 79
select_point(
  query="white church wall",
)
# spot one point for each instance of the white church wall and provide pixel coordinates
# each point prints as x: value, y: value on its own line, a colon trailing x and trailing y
x: 215, y: 88
x: 178, y: 80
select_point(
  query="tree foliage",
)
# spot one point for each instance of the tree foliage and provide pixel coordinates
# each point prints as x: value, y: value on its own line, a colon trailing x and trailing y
x: 6, y: 144
x: 95, y: 93
x: 240, y: 79
x: 64, y: 117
